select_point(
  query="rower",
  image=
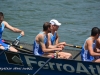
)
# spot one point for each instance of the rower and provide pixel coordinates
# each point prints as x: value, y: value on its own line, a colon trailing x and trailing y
x: 53, y: 41
x: 89, y: 48
x: 4, y: 24
x: 41, y: 42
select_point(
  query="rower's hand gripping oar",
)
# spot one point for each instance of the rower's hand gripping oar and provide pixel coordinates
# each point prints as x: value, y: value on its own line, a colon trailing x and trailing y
x: 80, y: 47
x: 16, y: 42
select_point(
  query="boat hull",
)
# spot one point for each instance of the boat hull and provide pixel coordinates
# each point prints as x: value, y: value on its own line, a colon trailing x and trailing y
x: 27, y: 63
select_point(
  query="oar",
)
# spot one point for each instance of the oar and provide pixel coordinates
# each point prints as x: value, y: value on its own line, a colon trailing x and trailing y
x: 24, y: 49
x: 75, y: 46
x: 53, y: 57
x: 77, y: 55
x: 43, y: 65
x: 2, y: 52
x: 19, y: 46
x: 16, y: 42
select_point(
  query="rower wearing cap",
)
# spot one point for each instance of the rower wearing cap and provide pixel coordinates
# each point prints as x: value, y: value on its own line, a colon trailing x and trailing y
x: 53, y: 40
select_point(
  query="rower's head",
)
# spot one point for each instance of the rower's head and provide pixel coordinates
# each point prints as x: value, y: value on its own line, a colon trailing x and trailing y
x: 47, y: 27
x: 1, y: 17
x: 55, y: 24
x: 95, y: 32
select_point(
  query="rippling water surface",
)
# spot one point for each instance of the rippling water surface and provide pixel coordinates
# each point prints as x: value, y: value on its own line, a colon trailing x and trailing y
x: 77, y: 18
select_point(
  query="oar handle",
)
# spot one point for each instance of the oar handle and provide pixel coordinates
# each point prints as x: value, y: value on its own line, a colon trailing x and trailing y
x: 17, y: 40
x: 78, y: 47
x: 19, y: 37
x: 74, y: 46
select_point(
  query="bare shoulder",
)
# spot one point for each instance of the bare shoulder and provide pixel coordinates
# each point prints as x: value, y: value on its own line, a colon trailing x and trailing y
x: 39, y: 37
x: 5, y: 23
x: 49, y: 34
x: 98, y: 39
x: 89, y: 42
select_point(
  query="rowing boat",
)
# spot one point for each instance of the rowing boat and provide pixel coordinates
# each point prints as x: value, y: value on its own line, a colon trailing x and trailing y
x: 26, y: 63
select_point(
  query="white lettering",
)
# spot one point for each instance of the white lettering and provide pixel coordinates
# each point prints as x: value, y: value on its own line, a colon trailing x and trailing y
x: 92, y: 69
x: 30, y: 61
x: 51, y: 65
x: 78, y: 68
x: 5, y: 68
x: 16, y: 68
x: 65, y: 66
x: 40, y: 63
x: 81, y: 68
x: 98, y: 69
x: 58, y: 66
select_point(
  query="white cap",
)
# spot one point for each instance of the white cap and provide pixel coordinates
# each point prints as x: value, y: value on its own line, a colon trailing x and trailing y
x: 55, y: 22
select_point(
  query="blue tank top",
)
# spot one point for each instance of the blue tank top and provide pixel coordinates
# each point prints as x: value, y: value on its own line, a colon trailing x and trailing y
x: 37, y: 50
x: 53, y: 37
x: 1, y: 29
x: 6, y: 46
x: 85, y: 55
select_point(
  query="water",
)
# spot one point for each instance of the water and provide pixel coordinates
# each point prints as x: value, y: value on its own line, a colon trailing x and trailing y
x: 77, y: 18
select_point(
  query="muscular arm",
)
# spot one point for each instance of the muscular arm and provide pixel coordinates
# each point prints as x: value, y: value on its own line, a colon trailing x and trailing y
x: 91, y: 51
x: 98, y: 43
x: 56, y: 45
x: 57, y: 39
x: 13, y: 28
x: 49, y: 42
x: 44, y: 48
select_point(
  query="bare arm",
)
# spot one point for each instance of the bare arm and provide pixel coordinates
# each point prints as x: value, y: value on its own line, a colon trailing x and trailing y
x: 49, y: 42
x: 56, y: 45
x: 57, y: 39
x: 97, y: 50
x: 91, y: 51
x: 13, y: 28
x: 98, y: 43
x: 44, y: 48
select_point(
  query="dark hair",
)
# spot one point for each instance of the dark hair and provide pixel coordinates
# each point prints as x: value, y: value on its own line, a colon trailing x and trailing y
x: 1, y: 15
x: 95, y: 31
x: 46, y: 25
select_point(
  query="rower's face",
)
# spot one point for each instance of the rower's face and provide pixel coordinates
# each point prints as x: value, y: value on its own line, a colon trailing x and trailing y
x: 56, y: 27
x: 98, y: 35
x: 49, y: 29
x: 1, y: 18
